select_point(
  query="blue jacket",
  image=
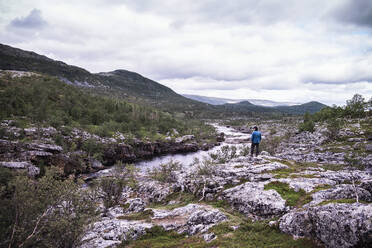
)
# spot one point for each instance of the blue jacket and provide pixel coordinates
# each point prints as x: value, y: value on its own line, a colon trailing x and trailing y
x: 256, y: 137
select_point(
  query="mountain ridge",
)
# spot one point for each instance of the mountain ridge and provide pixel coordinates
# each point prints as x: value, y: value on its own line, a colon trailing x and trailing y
x: 132, y: 86
x: 221, y: 101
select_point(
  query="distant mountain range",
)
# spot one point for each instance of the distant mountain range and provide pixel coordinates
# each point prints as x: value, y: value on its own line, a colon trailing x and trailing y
x: 220, y: 101
x: 133, y: 87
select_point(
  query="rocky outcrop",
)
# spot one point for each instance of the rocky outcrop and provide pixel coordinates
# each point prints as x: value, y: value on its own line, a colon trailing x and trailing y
x: 252, y: 200
x: 343, y: 191
x: 30, y: 168
x: 190, y: 219
x: 336, y: 225
x: 110, y: 232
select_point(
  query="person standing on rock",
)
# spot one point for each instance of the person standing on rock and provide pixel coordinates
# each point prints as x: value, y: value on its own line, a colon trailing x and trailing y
x: 256, y: 139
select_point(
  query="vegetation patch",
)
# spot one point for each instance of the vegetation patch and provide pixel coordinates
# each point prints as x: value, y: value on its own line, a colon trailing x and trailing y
x: 292, y: 197
x: 341, y: 201
x: 144, y: 215
x: 249, y: 234
x: 165, y: 173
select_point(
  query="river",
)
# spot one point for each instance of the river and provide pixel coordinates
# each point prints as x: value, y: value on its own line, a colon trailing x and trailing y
x: 232, y: 138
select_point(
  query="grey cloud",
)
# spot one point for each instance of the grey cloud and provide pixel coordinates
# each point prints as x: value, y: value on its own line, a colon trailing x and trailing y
x: 358, y: 12
x: 34, y: 20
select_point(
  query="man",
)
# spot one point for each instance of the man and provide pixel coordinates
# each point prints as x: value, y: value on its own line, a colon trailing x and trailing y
x: 256, y: 139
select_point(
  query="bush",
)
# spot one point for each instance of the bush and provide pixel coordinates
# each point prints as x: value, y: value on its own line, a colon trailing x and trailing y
x: 166, y: 172
x: 48, y: 212
x: 113, y: 186
x: 206, y: 167
x: 333, y: 128
x: 225, y: 154
x: 270, y: 144
x: 308, y: 126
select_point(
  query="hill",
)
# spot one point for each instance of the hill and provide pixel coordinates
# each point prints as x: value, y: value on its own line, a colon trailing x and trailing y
x: 135, y: 88
x: 120, y: 83
x: 311, y: 107
x: 221, y: 101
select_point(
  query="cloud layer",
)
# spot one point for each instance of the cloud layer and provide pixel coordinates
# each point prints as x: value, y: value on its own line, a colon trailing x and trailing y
x: 285, y: 51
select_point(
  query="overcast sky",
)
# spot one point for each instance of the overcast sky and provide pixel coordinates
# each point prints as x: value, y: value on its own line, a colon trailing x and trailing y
x: 282, y: 50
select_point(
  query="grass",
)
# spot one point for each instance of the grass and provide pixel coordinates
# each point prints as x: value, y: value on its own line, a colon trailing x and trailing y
x: 350, y: 201
x: 292, y: 197
x: 249, y: 234
x: 182, y: 199
x: 145, y: 215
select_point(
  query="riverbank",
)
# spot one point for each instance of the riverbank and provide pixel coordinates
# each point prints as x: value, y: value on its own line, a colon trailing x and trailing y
x: 77, y: 152
x: 230, y: 199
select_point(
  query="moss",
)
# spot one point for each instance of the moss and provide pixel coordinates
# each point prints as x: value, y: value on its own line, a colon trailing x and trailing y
x: 321, y: 187
x: 145, y: 215
x: 341, y: 201
x: 249, y: 234
x: 292, y: 197
x: 125, y: 206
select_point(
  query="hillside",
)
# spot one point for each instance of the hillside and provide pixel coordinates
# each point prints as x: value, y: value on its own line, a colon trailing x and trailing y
x: 311, y: 107
x: 135, y: 88
x: 120, y: 83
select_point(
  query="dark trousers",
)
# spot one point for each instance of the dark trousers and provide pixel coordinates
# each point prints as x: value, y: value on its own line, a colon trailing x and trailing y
x: 257, y: 148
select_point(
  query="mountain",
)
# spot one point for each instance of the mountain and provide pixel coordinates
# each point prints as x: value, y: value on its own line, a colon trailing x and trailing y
x: 221, y: 101
x: 259, y: 106
x: 133, y: 87
x: 310, y: 107
x: 119, y: 83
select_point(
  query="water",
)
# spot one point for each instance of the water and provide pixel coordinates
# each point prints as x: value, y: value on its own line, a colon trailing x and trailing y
x: 233, y: 138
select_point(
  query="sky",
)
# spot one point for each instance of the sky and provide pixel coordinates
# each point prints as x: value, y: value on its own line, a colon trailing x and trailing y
x: 281, y: 50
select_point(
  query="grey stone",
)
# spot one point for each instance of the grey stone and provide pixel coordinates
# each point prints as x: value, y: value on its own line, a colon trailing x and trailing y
x: 336, y: 225
x: 251, y: 199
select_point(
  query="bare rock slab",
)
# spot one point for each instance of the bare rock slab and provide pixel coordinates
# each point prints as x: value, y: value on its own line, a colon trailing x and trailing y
x: 336, y: 225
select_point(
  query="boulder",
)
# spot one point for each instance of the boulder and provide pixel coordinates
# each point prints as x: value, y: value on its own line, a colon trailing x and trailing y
x: 336, y: 225
x: 135, y: 205
x: 342, y: 191
x: 32, y: 170
x: 252, y: 200
x: 109, y: 232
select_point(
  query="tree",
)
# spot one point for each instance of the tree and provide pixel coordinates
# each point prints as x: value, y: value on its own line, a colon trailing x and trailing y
x: 355, y: 107
x: 49, y: 212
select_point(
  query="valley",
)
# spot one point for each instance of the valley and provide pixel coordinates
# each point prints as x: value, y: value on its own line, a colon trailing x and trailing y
x: 115, y: 159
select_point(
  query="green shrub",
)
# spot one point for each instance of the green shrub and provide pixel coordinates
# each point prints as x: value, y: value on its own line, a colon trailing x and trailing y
x: 308, y: 126
x: 165, y: 173
x: 224, y: 154
x: 48, y: 212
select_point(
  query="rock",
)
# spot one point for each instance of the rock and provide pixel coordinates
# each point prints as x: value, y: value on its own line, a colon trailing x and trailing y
x: 307, y: 184
x: 355, y: 139
x: 264, y: 153
x: 343, y: 191
x: 32, y: 170
x: 368, y: 147
x: 200, y: 221
x: 109, y: 232
x: 208, y: 237
x: 220, y: 137
x: 367, y: 185
x: 336, y: 225
x: 185, y: 138
x: 153, y: 191
x: 135, y: 205
x: 46, y: 147
x: 251, y: 199
x: 190, y: 219
x: 95, y: 164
